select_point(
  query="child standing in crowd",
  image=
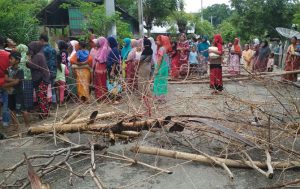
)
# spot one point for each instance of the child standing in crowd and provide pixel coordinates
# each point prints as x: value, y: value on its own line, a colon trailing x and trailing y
x: 270, y: 64
x: 15, y: 76
x: 193, y: 58
x: 60, y: 80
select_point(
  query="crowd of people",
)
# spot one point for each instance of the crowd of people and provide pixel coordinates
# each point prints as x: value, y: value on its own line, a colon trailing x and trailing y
x: 34, y: 76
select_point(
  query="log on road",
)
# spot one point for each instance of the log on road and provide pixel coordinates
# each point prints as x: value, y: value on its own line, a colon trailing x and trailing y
x: 206, y: 160
x: 114, y: 127
x: 249, y: 77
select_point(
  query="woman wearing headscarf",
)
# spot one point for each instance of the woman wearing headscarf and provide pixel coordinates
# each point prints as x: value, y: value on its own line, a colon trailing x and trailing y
x: 183, y: 47
x: 247, y: 56
x: 216, y: 82
x: 154, y: 49
x: 261, y: 62
x: 132, y: 62
x: 83, y: 75
x: 63, y: 52
x: 27, y: 82
x: 292, y: 61
x: 114, y: 58
x: 144, y: 68
x: 203, y: 51
x: 40, y: 76
x: 71, y: 79
x: 203, y: 47
x: 161, y: 73
x: 124, y: 54
x: 175, y: 61
x: 235, y: 54
x: 100, y: 71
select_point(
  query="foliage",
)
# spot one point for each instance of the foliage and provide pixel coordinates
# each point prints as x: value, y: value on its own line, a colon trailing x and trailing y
x: 129, y: 5
x: 296, y: 19
x: 18, y: 21
x: 180, y: 21
x: 96, y: 18
x: 203, y: 27
x: 123, y: 30
x: 260, y: 17
x: 156, y: 11
x: 227, y: 30
x: 218, y: 12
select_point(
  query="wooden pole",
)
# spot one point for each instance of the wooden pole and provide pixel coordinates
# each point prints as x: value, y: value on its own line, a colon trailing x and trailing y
x: 239, y: 78
x: 203, y: 159
x: 114, y: 127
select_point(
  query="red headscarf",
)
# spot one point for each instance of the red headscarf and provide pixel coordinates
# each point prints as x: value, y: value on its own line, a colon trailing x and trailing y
x: 236, y: 45
x: 218, y: 42
x: 164, y: 42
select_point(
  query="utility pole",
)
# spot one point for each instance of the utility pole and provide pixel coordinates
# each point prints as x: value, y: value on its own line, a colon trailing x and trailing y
x: 201, y: 10
x: 140, y: 12
x: 211, y: 20
x: 111, y: 10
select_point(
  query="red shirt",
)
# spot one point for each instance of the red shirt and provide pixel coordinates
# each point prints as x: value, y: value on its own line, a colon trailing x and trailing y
x: 4, y: 64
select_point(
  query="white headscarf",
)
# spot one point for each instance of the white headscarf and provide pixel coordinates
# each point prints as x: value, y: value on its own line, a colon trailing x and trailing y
x: 154, y: 48
x: 256, y: 41
x: 73, y: 44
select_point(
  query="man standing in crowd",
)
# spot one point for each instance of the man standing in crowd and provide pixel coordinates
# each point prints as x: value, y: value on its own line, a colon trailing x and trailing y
x: 50, y: 55
x: 4, y: 64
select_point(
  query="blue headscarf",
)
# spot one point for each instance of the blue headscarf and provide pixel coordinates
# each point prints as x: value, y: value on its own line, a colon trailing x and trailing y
x: 126, y: 49
x: 114, y: 55
x: 203, y: 46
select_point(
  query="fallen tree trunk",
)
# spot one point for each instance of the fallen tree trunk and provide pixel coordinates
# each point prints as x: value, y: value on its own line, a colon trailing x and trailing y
x: 203, y: 159
x: 114, y: 127
x: 99, y: 117
x: 84, y: 119
x: 238, y: 78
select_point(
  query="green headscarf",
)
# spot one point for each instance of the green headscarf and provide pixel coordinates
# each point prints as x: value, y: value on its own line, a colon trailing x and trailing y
x: 126, y: 49
x: 23, y: 49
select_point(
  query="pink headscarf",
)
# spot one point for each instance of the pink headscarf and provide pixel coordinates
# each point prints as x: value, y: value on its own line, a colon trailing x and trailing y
x: 140, y: 43
x: 134, y: 43
x: 103, y: 50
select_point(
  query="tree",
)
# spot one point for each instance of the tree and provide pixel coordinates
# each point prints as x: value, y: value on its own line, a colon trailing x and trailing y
x: 296, y: 19
x: 227, y: 30
x: 260, y: 17
x: 156, y: 11
x: 180, y: 20
x: 129, y: 5
x: 203, y: 27
x: 18, y: 21
x: 217, y: 13
x: 96, y: 18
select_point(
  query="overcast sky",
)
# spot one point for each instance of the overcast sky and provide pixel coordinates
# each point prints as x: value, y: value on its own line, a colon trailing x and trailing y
x: 195, y: 5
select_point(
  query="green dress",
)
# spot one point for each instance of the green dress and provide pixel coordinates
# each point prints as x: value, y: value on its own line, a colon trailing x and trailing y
x: 160, y: 87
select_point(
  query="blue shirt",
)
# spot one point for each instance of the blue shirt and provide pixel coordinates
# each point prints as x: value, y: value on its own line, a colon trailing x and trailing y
x: 193, y: 58
x: 203, y: 46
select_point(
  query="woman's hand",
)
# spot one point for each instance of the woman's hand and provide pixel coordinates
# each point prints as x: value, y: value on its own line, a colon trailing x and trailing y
x: 155, y: 72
